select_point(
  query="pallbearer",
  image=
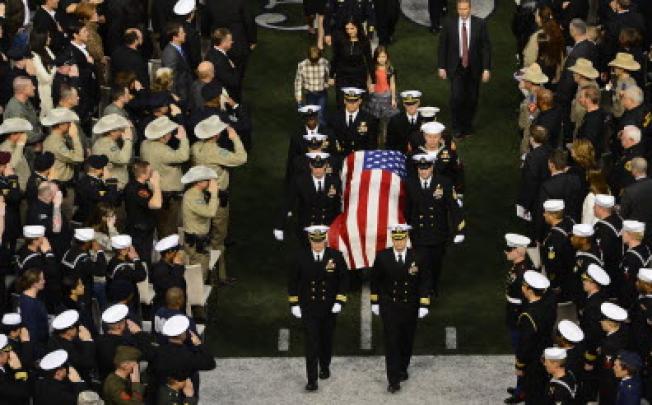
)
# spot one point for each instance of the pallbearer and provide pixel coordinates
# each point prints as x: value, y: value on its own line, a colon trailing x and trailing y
x: 317, y: 293
x: 400, y: 290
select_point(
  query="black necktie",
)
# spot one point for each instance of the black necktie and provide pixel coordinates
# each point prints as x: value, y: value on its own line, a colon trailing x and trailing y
x: 412, y: 121
x: 425, y: 185
x: 318, y: 257
x: 400, y: 259
x: 319, y: 187
x: 350, y: 120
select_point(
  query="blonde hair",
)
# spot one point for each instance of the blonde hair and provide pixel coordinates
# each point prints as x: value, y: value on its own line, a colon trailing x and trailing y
x: 583, y: 153
x: 163, y: 79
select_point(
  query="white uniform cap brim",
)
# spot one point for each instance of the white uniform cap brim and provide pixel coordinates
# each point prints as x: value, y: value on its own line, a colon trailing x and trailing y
x: 198, y: 173
x: 553, y: 205
x: 54, y: 360
x: 516, y: 240
x: 33, y: 231
x: 65, y: 320
x: 120, y: 241
x: 115, y: 313
x: 3, y: 341
x: 613, y: 311
x: 175, y: 325
x: 570, y: 331
x: 432, y: 127
x: 11, y: 319
x: 605, y: 200
x: 210, y: 127
x: 411, y: 93
x: 630, y: 225
x: 159, y: 128
x: 316, y: 228
x: 554, y: 353
x: 166, y: 243
x: 598, y: 274
x: 583, y: 230
x: 399, y: 227
x: 318, y: 137
x: 352, y: 90
x: 428, y: 157
x: 184, y: 7
x: 309, y: 108
x: 84, y: 234
x: 428, y: 112
x: 315, y: 155
x: 536, y: 280
x: 645, y: 275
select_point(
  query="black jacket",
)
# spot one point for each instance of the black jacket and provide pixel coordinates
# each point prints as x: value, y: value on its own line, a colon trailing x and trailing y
x: 125, y: 59
x: 636, y: 201
x: 533, y: 173
x: 567, y: 86
x: 550, y: 120
x: 309, y: 206
x: 479, y: 47
x: 394, y: 284
x: 400, y: 131
x: 183, y: 77
x: 226, y: 73
x: 592, y: 128
x: 362, y: 135
x: 562, y: 186
x: 91, y: 191
x: 238, y: 18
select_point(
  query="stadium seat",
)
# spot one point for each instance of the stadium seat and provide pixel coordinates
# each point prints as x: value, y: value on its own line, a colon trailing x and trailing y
x: 198, y: 293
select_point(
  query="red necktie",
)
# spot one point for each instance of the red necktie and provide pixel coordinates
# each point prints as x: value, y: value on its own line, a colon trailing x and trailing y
x: 465, y: 46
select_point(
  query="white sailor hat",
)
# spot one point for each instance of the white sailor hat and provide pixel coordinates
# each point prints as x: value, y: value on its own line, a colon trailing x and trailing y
x: 209, y: 127
x: 14, y: 125
x: 160, y: 127
x: 4, y: 341
x: 570, y: 331
x: 316, y: 229
x: 315, y: 137
x: 536, y: 280
x: 175, y: 325
x: 184, y: 7
x: 399, y: 231
x: 613, y: 312
x: 84, y: 234
x: 597, y: 274
x: 65, y: 320
x: 410, y: 96
x: 432, y: 127
x: 645, y: 275
x: 309, y: 109
x: 352, y: 93
x: 115, y: 313
x: 54, y: 360
x: 629, y: 225
x: 428, y: 111
x: 109, y: 123
x: 553, y: 205
x: 120, y: 241
x: 11, y: 319
x: 198, y: 173
x: 605, y: 200
x: 167, y: 243
x: 33, y: 231
x: 59, y: 115
x: 583, y: 230
x: 554, y: 353
x: 515, y: 240
x: 317, y: 159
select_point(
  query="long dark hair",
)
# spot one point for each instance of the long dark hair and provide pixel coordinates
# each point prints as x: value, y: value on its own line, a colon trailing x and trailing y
x: 551, y: 41
x: 362, y: 37
x: 38, y: 42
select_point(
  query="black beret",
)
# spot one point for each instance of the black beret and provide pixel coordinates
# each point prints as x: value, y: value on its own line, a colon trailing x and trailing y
x: 43, y: 161
x: 97, y: 161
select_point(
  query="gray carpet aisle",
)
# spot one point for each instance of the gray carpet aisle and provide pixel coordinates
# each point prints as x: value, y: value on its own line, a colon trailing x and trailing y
x: 435, y: 380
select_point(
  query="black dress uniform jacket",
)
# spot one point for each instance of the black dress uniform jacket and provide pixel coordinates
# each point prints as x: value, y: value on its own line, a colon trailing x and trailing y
x: 636, y: 203
x: 621, y: 174
x: 534, y: 172
x: 132, y: 271
x: 562, y: 391
x: 10, y: 190
x: 633, y: 260
x: 80, y: 262
x: 607, y: 238
x: 583, y: 259
x: 90, y: 191
x: 433, y: 213
x: 165, y: 276
x: 312, y: 207
x: 563, y: 186
x: 513, y: 293
x: 400, y: 130
x: 611, y: 345
x: 14, y: 386
x: 81, y: 354
x: 52, y: 293
x: 362, y: 135
x: 589, y: 317
x: 49, y: 391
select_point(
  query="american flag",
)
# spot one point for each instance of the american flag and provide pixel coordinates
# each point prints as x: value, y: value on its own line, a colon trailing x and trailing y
x: 373, y: 198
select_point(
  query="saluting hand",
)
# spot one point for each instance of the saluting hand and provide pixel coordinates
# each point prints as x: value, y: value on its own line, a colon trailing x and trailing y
x: 442, y: 74
x: 188, y: 389
x: 486, y: 76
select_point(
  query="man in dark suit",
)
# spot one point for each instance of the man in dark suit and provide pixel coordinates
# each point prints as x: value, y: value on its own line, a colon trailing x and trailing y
x: 317, y: 292
x: 238, y: 19
x: 88, y: 86
x: 387, y: 14
x: 185, y: 13
x: 583, y: 48
x: 621, y: 174
x: 560, y: 186
x: 314, y: 198
x: 465, y: 59
x: 549, y: 117
x: 226, y: 71
x: 435, y: 11
x: 45, y: 20
x: 593, y: 124
x: 402, y: 125
x: 636, y: 200
x: 399, y: 307
x: 127, y: 58
x: 354, y: 129
x: 534, y: 170
x: 175, y: 58
x: 162, y: 15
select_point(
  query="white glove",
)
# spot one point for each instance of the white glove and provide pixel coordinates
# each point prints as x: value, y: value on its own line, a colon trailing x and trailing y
x: 375, y: 309
x: 458, y: 238
x: 278, y: 235
x: 296, y: 311
x: 337, y: 308
x: 289, y: 214
x: 423, y: 312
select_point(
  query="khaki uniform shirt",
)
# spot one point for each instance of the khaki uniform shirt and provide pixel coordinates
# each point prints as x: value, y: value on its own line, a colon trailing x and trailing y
x: 118, y: 157
x: 18, y: 161
x: 66, y: 156
x: 210, y: 154
x: 119, y: 391
x: 197, y: 213
x: 166, y: 161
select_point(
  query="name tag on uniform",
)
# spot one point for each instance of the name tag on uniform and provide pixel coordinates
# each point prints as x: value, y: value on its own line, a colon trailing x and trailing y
x: 330, y: 266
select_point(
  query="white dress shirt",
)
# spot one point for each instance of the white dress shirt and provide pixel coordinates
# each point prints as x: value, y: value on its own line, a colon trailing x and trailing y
x: 316, y: 181
x: 468, y: 32
x: 348, y: 115
x: 81, y: 47
x: 412, y: 119
x: 402, y: 255
x: 27, y: 14
x: 318, y: 255
x: 425, y: 183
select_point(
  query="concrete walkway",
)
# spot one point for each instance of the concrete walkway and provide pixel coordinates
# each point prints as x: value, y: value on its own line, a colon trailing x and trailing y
x: 442, y: 380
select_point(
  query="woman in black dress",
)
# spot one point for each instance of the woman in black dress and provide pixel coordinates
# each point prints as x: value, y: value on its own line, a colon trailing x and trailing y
x: 352, y: 64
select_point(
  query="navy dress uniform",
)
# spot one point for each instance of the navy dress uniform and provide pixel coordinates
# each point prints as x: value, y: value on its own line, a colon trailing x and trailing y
x: 557, y: 254
x: 14, y: 383
x: 11, y: 325
x: 630, y: 387
x: 10, y: 191
x: 302, y: 140
x: 584, y: 257
x: 122, y: 267
x: 400, y: 289
x: 634, y: 258
x: 561, y: 390
x: 81, y: 353
x: 607, y: 237
x: 315, y: 199
x: 571, y: 337
x: 316, y: 143
x: 402, y: 126
x: 434, y: 214
x: 166, y: 273
x: 615, y: 340
x: 513, y: 282
x: 82, y: 261
x: 641, y: 328
x: 50, y: 390
x: 92, y: 189
x: 317, y: 292
x: 354, y: 128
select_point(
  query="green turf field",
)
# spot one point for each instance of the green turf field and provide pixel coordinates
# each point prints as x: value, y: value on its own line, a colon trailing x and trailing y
x: 245, y: 318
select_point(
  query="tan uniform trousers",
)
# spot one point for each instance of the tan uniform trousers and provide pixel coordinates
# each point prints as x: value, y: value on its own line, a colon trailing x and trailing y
x: 167, y: 219
x: 219, y: 230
